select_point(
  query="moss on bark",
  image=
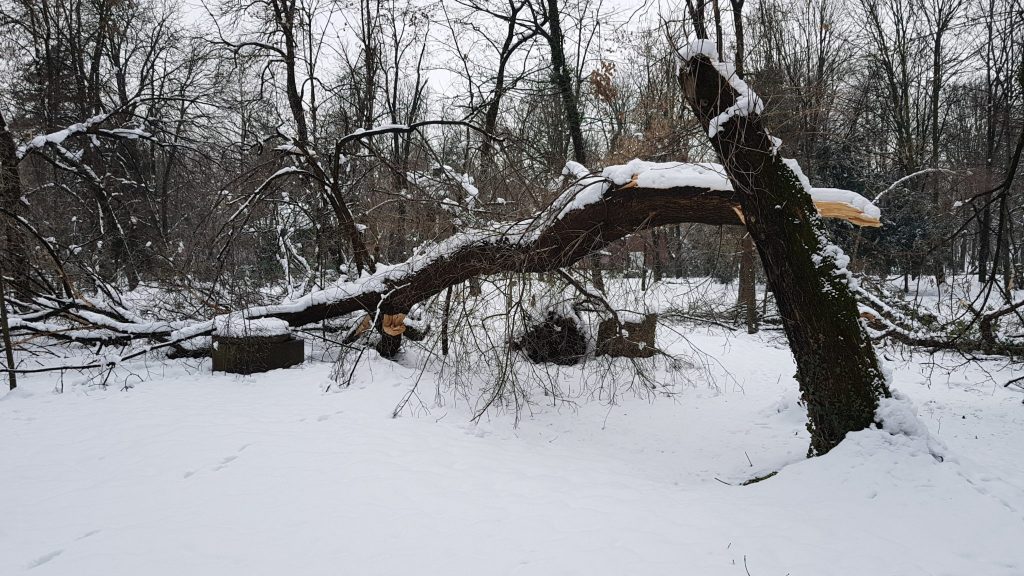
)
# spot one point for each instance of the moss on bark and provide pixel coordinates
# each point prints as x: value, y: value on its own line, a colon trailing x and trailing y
x: 837, y: 370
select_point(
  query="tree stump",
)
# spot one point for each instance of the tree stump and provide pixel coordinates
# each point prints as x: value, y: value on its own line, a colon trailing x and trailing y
x: 244, y: 346
x: 391, y: 328
x: 637, y: 342
x: 253, y: 354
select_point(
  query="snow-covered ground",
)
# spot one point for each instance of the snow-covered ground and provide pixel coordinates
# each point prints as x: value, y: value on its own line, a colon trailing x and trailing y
x: 195, y: 473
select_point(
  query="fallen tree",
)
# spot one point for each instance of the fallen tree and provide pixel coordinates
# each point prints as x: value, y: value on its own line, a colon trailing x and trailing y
x: 595, y: 211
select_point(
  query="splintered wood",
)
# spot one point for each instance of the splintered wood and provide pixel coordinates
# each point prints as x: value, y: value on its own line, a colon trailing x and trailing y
x: 848, y: 212
x: 391, y: 324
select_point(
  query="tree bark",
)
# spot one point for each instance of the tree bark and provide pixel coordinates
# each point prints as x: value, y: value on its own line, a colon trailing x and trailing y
x: 14, y: 254
x: 747, y: 297
x: 839, y: 376
x: 747, y: 300
x: 563, y: 82
x: 573, y: 116
x: 5, y: 333
x: 737, y: 24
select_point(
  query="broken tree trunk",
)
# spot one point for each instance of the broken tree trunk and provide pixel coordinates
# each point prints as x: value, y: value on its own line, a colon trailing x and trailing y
x: 255, y: 354
x: 630, y: 339
x: 839, y: 376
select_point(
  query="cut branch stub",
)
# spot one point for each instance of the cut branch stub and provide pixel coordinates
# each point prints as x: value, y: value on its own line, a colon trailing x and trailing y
x: 253, y: 354
x: 628, y: 340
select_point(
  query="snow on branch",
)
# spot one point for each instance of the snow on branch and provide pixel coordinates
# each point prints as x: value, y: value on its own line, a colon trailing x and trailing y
x: 747, y: 101
x: 60, y: 136
x: 897, y: 183
x: 89, y: 126
x: 831, y: 202
x: 258, y: 193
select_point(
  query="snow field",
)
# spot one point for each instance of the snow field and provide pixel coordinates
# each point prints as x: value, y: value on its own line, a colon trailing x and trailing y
x: 196, y: 473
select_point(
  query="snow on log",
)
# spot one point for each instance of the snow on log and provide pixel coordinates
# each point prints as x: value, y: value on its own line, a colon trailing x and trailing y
x: 234, y: 325
x: 846, y: 205
x: 834, y: 203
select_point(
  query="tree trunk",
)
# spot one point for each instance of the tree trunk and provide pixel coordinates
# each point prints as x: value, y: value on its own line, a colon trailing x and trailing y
x: 747, y: 300
x: 839, y: 376
x: 935, y: 230
x: 445, y: 318
x: 14, y: 253
x: 657, y: 264
x: 737, y: 24
x: 748, y: 278
x: 563, y: 83
x: 595, y: 272
x: 5, y: 332
x: 985, y: 218
x: 1004, y: 250
x: 579, y: 233
x: 573, y: 116
x: 624, y: 210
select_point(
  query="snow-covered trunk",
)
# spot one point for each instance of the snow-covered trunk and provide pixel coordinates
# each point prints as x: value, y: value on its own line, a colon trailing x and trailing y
x: 838, y: 372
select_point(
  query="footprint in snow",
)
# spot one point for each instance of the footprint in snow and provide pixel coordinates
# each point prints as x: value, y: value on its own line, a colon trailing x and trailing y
x: 44, y: 559
x: 223, y: 463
